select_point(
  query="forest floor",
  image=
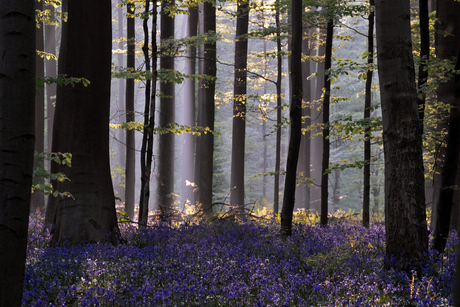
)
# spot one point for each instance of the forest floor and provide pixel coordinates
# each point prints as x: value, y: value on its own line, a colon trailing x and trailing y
x: 233, y: 264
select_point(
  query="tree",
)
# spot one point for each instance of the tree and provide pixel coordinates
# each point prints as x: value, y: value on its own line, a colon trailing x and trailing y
x: 81, y: 127
x: 51, y: 71
x: 239, y: 106
x: 17, y: 100
x: 448, y: 13
x: 303, y: 192
x: 38, y: 200
x: 449, y: 172
x: 166, y: 116
x: 367, y: 116
x: 206, y: 88
x: 149, y: 113
x: 189, y: 112
x: 130, y: 166
x: 405, y: 216
x: 326, y: 113
x: 278, y: 110
x: 295, y: 114
x: 424, y: 56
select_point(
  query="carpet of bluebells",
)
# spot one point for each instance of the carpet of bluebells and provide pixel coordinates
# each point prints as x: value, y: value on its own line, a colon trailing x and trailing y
x: 232, y: 264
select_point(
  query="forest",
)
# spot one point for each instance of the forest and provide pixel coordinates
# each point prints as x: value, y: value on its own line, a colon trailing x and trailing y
x: 229, y: 153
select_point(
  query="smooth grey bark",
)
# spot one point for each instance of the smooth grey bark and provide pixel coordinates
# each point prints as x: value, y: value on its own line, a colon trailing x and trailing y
x: 303, y: 192
x: 326, y: 129
x: 405, y: 216
x: 130, y: 164
x: 239, y: 106
x: 206, y: 87
x: 37, y: 202
x: 367, y: 117
x: 166, y: 116
x: 188, y: 147
x: 81, y: 127
x: 17, y: 107
x: 295, y: 115
x: 317, y: 142
x: 149, y: 113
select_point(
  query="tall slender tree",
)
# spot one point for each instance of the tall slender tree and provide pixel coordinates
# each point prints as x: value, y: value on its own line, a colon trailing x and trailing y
x: 239, y: 106
x: 367, y: 116
x: 38, y: 200
x: 130, y: 165
x: 81, y: 127
x: 326, y: 113
x: 188, y: 147
x: 448, y: 15
x: 50, y: 71
x: 167, y: 107
x: 405, y: 216
x: 295, y: 115
x: 206, y: 87
x: 149, y: 112
x: 17, y: 100
x: 278, y: 110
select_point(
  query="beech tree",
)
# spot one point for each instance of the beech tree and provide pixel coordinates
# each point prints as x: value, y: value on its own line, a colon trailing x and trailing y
x: 367, y: 116
x: 188, y: 147
x: 17, y: 99
x: 130, y: 166
x: 149, y: 112
x: 239, y: 106
x: 206, y: 88
x: 81, y: 127
x: 166, y: 116
x: 278, y: 110
x: 448, y: 13
x: 326, y: 113
x: 295, y: 114
x: 405, y: 216
x: 38, y: 199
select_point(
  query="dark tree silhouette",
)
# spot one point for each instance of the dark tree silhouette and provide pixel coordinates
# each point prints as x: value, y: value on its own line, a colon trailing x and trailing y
x: 295, y: 114
x: 17, y: 99
x: 239, y: 106
x: 405, y: 216
x: 81, y: 127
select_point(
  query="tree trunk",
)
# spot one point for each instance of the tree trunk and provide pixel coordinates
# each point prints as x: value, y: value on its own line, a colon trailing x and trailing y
x: 51, y: 71
x: 317, y: 142
x: 325, y: 109
x: 239, y: 106
x: 188, y: 147
x: 17, y: 106
x: 37, y: 201
x: 424, y: 57
x: 367, y: 117
x: 303, y: 197
x: 130, y: 165
x: 448, y: 16
x: 278, y: 113
x: 449, y: 171
x: 81, y: 125
x: 296, y: 120
x: 207, y: 88
x: 405, y: 216
x: 166, y: 116
x: 149, y: 114
x: 119, y: 144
